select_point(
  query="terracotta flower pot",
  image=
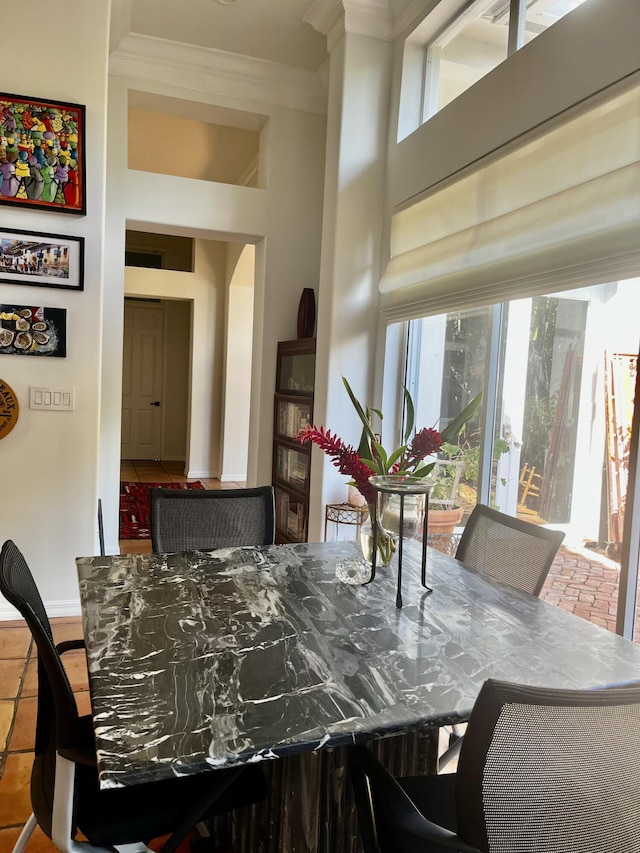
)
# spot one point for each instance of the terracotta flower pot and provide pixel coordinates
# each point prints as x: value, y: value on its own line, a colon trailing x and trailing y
x: 444, y: 520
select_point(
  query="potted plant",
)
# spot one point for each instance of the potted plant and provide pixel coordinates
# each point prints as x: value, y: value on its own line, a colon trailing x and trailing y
x: 456, y: 464
x: 371, y: 459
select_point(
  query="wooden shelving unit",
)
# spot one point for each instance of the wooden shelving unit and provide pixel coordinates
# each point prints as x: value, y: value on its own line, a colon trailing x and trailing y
x: 293, y: 409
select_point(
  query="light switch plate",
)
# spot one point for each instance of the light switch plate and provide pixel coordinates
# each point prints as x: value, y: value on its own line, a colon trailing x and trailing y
x: 52, y: 399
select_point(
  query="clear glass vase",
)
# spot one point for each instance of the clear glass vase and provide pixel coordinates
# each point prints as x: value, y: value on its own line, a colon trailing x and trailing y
x: 413, y: 516
x: 386, y: 541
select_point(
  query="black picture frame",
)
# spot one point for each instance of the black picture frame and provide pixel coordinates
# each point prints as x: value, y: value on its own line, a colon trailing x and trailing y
x: 39, y: 259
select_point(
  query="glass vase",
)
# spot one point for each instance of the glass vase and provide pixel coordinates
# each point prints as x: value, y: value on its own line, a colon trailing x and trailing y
x: 412, y: 518
x: 386, y: 540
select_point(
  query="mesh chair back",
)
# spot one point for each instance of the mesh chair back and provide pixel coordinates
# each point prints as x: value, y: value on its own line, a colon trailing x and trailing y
x: 514, y: 551
x: 546, y: 770
x: 57, y: 710
x: 205, y: 520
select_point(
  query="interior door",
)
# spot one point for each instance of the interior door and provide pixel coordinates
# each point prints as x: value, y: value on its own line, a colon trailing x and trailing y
x: 142, y: 380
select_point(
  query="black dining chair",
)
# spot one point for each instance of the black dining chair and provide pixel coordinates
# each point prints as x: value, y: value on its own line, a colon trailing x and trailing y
x: 65, y: 794
x: 541, y: 771
x: 511, y: 550
x: 192, y: 520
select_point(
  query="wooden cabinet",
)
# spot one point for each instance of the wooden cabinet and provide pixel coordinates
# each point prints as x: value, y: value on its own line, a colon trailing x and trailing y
x: 293, y: 409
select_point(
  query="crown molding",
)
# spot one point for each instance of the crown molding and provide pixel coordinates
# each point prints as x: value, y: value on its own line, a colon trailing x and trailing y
x: 218, y: 72
x: 333, y: 18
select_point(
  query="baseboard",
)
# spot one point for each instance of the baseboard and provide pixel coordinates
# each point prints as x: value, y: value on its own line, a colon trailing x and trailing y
x: 65, y: 607
x: 233, y: 478
x: 206, y: 475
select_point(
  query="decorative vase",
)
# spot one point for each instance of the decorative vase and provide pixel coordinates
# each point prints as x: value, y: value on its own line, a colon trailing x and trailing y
x: 307, y: 313
x: 412, y: 517
x: 386, y: 540
x: 354, y: 498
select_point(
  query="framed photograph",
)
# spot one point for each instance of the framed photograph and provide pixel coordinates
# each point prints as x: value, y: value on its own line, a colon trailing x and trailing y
x: 28, y: 330
x: 41, y: 260
x: 42, y: 163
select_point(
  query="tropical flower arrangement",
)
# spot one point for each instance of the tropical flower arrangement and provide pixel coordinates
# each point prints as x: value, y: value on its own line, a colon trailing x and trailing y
x: 371, y: 459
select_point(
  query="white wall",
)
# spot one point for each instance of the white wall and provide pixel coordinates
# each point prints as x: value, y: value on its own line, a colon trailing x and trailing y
x: 49, y: 462
x: 351, y: 251
x: 241, y: 264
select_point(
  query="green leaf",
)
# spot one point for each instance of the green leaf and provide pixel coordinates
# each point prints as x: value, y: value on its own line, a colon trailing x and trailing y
x: 366, y: 422
x: 452, y: 429
x: 411, y: 415
x: 396, y: 455
x: 364, y: 450
x: 424, y: 470
x: 382, y: 456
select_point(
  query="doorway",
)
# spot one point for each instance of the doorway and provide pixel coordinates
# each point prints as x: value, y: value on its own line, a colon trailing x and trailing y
x: 155, y: 379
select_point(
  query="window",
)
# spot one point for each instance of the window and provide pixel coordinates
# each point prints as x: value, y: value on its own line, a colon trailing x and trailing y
x: 470, y: 46
x: 552, y: 445
x: 443, y: 57
x: 541, y: 14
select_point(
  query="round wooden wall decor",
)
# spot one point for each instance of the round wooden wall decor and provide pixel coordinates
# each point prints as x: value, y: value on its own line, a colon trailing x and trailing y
x: 8, y: 409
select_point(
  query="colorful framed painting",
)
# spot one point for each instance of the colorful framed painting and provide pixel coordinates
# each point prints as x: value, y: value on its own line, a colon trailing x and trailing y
x: 42, y: 154
x: 29, y: 330
x: 41, y: 260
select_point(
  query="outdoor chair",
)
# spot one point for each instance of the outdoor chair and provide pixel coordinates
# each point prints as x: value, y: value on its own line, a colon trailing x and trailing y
x: 205, y: 520
x: 541, y: 771
x: 510, y: 550
x: 65, y: 794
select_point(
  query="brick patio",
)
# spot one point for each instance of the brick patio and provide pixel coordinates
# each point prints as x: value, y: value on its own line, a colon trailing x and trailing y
x: 585, y: 583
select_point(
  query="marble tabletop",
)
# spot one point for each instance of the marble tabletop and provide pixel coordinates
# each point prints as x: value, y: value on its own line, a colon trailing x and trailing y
x: 203, y: 660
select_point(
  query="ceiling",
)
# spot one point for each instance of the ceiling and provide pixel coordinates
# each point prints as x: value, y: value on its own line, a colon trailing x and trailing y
x: 267, y: 29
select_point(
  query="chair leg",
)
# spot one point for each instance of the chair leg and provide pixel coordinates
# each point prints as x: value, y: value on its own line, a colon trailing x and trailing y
x: 62, y: 826
x: 25, y: 835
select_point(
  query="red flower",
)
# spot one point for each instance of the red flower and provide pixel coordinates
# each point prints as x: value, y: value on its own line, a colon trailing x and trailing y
x: 344, y: 457
x: 424, y: 443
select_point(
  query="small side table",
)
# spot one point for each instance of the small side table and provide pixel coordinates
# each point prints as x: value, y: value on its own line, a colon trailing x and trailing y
x: 344, y: 514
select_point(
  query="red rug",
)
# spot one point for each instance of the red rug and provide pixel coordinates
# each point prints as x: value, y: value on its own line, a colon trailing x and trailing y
x: 134, y: 506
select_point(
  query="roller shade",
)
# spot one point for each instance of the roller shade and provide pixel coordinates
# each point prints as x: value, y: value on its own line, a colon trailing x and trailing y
x: 558, y: 212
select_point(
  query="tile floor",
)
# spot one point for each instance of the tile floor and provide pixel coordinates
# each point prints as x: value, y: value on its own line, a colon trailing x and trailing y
x: 580, y: 582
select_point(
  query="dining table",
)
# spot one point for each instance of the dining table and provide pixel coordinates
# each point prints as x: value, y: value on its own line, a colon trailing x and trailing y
x: 203, y: 660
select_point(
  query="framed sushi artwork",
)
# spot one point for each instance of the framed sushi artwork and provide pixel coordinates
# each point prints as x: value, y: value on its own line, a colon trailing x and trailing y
x: 41, y: 260
x: 30, y: 330
x: 42, y: 159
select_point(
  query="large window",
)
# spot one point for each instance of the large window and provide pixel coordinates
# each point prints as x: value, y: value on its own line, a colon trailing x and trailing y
x: 551, y: 443
x: 444, y: 57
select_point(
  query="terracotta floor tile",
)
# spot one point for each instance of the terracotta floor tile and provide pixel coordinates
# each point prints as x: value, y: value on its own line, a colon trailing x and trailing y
x: 24, y: 728
x: 6, y: 716
x: 65, y: 620
x: 67, y: 631
x: 10, y: 675
x: 15, y: 801
x: 38, y: 843
x: 75, y: 663
x: 14, y: 642
x: 83, y: 701
x: 30, y: 683
x: 13, y: 623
